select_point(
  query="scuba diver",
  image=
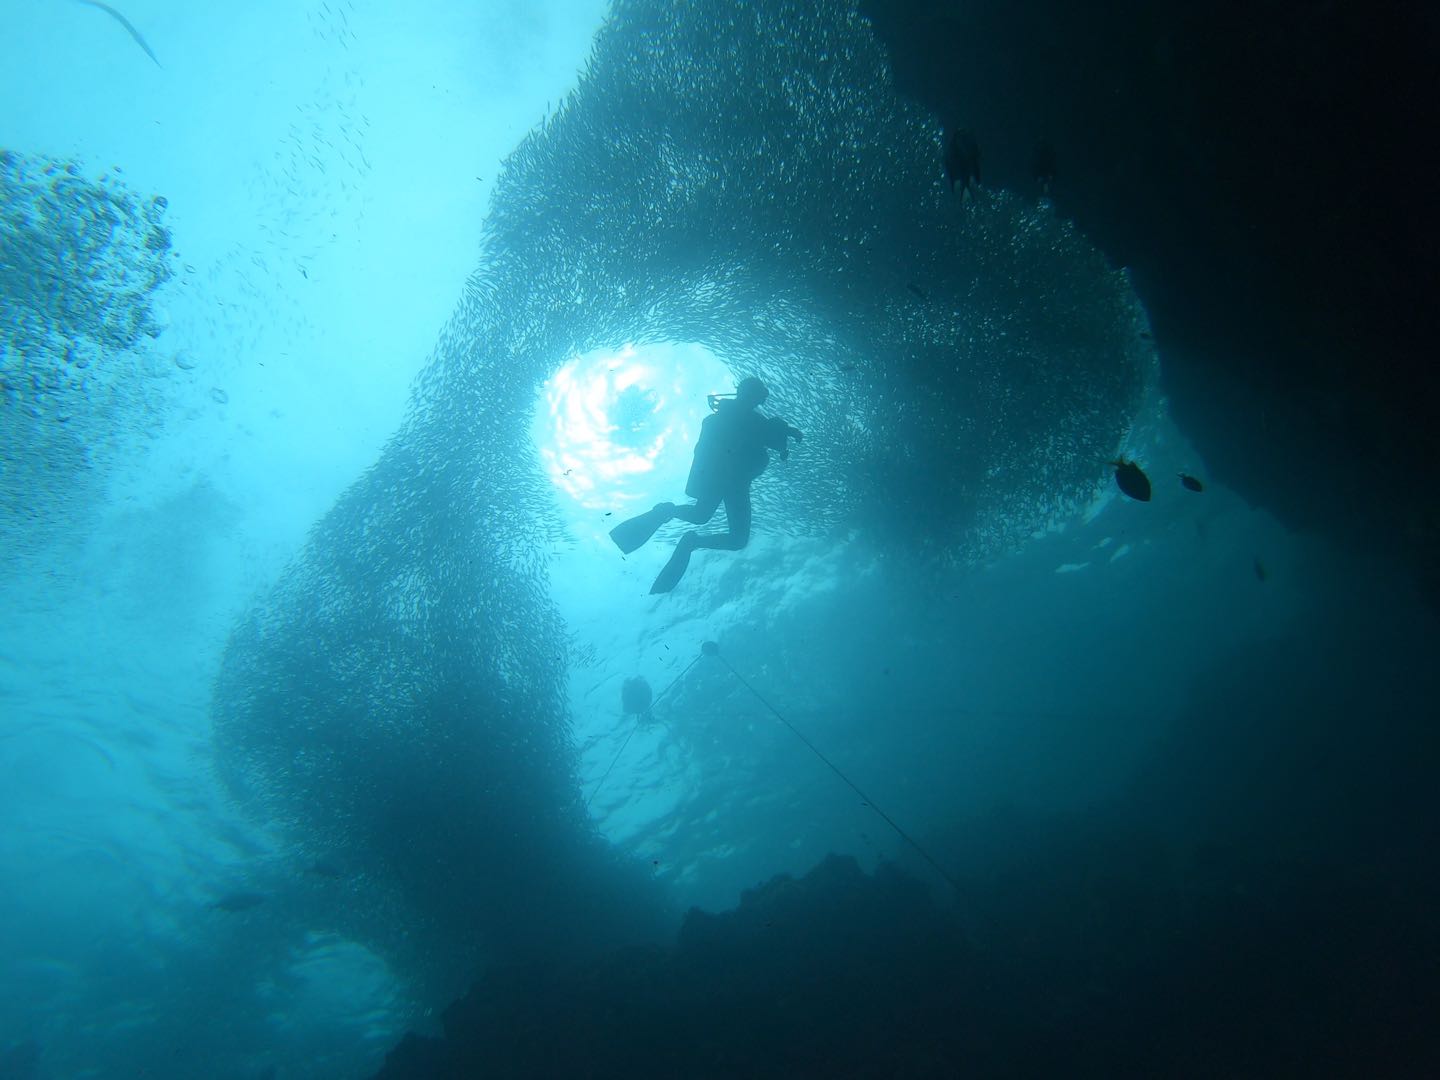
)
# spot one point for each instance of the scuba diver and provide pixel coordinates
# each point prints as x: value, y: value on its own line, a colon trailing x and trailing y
x: 731, y: 452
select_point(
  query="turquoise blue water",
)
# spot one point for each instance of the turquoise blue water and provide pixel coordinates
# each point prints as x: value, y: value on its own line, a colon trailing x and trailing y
x: 314, y: 641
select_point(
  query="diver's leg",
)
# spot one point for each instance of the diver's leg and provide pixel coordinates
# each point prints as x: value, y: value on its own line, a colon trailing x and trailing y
x: 675, y: 568
x: 737, y: 516
x: 698, y: 513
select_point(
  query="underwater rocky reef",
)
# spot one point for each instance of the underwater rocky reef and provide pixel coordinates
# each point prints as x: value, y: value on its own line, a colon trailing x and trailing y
x: 1258, y: 902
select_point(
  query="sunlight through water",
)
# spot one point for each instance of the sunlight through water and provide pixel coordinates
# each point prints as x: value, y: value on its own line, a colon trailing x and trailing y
x: 615, y: 427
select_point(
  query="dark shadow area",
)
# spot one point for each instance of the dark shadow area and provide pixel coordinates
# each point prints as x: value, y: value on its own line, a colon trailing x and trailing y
x: 1095, y: 959
x: 1266, y: 171
x: 1258, y: 902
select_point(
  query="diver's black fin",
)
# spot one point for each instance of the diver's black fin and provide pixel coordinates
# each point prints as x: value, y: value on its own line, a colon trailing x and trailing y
x: 633, y: 533
x: 676, y: 567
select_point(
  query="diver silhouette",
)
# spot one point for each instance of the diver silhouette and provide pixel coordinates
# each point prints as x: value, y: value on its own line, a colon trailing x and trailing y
x: 733, y: 449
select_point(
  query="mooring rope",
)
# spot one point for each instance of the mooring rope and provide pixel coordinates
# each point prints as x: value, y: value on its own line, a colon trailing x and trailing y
x: 639, y: 719
x: 711, y: 648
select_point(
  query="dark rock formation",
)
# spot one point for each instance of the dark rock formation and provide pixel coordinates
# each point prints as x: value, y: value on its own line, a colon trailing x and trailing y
x: 1265, y: 170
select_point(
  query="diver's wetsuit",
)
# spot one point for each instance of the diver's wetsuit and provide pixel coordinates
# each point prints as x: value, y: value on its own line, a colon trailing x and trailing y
x: 733, y: 449
x: 729, y: 455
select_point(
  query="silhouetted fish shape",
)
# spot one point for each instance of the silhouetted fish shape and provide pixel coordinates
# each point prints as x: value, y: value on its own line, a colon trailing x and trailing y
x: 1132, y: 480
x: 129, y: 27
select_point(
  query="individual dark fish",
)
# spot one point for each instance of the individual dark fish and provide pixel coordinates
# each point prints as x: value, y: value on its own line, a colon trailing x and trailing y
x: 1190, y: 483
x: 1261, y: 574
x: 129, y: 28
x: 240, y: 900
x: 917, y: 290
x: 1043, y: 166
x: 962, y: 162
x: 1132, y: 480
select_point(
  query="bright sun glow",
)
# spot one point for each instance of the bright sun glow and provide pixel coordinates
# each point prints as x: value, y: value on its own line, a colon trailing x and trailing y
x: 615, y: 428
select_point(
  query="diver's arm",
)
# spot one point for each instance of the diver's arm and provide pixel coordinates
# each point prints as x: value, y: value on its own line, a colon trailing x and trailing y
x: 787, y: 432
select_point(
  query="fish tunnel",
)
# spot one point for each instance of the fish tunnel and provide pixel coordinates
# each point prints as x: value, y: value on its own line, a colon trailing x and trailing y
x: 451, y: 644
